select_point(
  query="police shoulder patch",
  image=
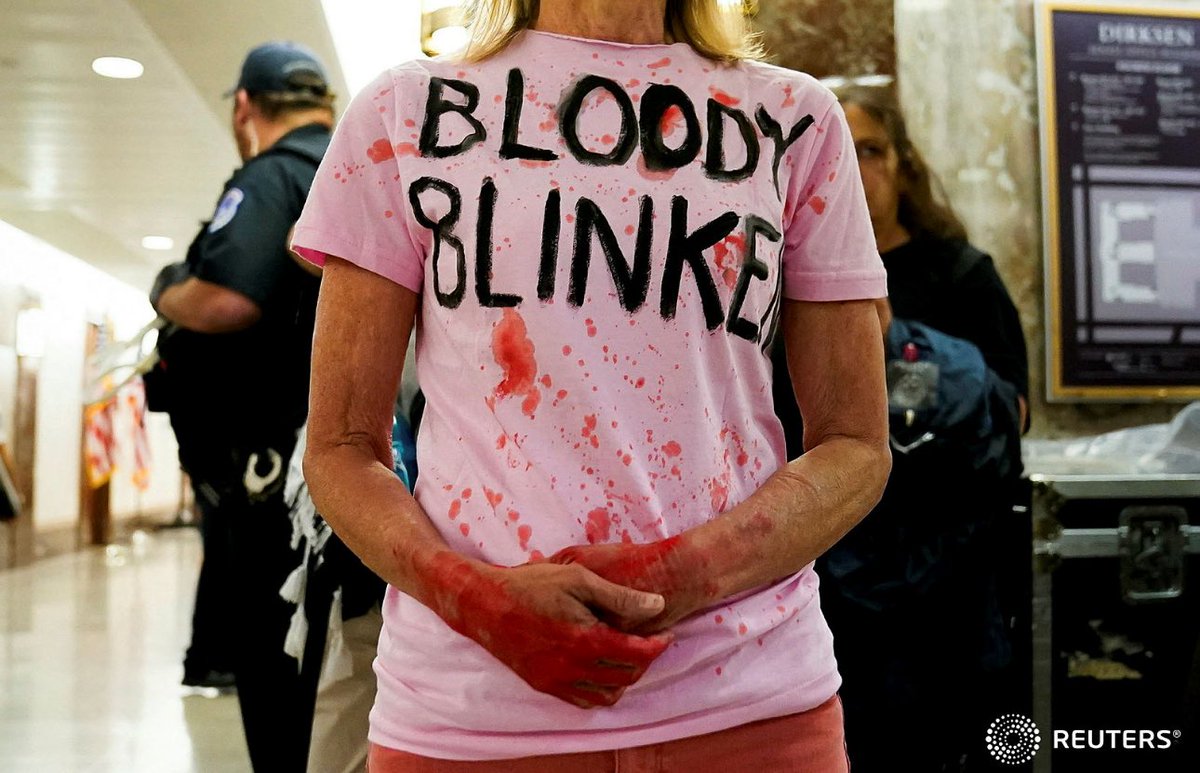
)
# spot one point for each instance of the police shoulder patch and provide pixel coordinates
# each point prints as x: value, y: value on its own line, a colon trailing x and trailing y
x: 227, y: 209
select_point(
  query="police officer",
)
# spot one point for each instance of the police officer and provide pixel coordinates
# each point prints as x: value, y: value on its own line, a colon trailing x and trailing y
x: 234, y: 378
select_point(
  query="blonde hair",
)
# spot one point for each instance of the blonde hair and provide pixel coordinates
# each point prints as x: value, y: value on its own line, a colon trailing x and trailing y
x: 715, y: 33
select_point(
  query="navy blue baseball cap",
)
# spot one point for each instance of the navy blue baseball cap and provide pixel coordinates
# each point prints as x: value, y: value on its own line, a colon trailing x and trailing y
x: 282, y: 67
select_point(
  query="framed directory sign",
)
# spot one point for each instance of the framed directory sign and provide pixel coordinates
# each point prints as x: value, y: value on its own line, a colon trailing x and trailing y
x: 1120, y: 108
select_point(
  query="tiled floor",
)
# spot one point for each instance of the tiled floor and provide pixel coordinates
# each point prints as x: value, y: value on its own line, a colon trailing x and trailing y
x: 90, y: 652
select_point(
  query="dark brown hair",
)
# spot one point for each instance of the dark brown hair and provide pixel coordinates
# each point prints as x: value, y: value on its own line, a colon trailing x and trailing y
x: 307, y: 94
x: 923, y: 206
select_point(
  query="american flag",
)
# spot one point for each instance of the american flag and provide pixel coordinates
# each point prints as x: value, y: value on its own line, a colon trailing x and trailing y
x: 133, y: 396
x: 98, y: 442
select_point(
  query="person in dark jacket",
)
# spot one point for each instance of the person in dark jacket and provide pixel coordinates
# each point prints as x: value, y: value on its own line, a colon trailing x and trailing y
x: 914, y: 594
x: 233, y: 377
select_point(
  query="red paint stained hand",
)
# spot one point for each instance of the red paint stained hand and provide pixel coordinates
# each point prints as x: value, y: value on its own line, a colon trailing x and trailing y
x: 542, y: 620
x: 662, y: 567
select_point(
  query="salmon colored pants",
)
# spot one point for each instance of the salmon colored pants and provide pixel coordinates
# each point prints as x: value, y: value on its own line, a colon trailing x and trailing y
x: 811, y: 742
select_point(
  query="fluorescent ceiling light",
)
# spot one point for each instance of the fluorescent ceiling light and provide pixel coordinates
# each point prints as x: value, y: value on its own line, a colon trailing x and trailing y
x: 158, y: 243
x: 372, y: 35
x: 118, y: 67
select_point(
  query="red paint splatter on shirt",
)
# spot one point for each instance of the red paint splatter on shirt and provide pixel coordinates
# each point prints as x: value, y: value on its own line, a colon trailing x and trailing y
x: 723, y: 98
x: 661, y: 63
x: 599, y: 526
x: 514, y: 352
x: 672, y: 449
x: 589, y: 430
x: 818, y: 205
x: 789, y: 99
x: 644, y: 171
x: 501, y: 442
x: 380, y: 151
x: 455, y: 509
x: 407, y: 149
x: 465, y: 529
x: 494, y: 498
x: 672, y: 117
x: 728, y: 255
x: 525, y: 533
x: 742, y: 629
x: 591, y: 328
x: 719, y: 494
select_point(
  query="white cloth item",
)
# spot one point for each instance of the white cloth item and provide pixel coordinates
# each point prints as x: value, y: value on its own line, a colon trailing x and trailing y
x: 345, y: 693
x: 309, y: 531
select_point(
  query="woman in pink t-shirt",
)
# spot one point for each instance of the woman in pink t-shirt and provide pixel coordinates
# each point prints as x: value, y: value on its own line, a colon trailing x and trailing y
x: 598, y: 220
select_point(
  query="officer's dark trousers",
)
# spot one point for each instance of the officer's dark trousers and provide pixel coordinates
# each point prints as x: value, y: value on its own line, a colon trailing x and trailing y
x: 213, y: 632
x: 276, y: 698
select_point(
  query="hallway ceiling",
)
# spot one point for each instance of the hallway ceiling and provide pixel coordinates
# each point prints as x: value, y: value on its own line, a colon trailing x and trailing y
x: 91, y: 164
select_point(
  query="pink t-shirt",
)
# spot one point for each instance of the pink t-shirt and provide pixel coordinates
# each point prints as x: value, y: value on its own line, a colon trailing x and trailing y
x: 602, y: 236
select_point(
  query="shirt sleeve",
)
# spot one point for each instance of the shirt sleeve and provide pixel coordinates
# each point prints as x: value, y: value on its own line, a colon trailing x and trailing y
x: 357, y: 210
x: 829, y: 246
x: 243, y: 248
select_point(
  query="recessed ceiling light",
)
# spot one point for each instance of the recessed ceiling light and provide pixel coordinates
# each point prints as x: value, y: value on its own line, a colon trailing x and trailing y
x: 158, y: 242
x: 118, y: 67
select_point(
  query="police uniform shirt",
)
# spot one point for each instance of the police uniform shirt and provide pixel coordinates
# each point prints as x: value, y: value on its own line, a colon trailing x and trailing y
x: 255, y: 381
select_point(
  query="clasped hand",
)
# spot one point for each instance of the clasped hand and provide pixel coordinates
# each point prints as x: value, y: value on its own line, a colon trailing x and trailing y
x: 583, y: 625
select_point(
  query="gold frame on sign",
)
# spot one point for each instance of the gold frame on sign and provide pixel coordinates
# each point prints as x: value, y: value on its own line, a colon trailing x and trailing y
x: 1056, y: 389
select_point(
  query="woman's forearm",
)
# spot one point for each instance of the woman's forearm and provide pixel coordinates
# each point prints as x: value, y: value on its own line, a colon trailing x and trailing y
x: 836, y: 356
x: 357, y: 363
x: 372, y: 512
x: 798, y: 514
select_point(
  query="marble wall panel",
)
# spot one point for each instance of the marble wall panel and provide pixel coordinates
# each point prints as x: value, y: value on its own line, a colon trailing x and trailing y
x: 829, y: 37
x: 968, y: 81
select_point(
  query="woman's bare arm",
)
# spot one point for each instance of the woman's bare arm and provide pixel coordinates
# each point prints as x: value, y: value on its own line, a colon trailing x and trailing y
x: 835, y: 355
